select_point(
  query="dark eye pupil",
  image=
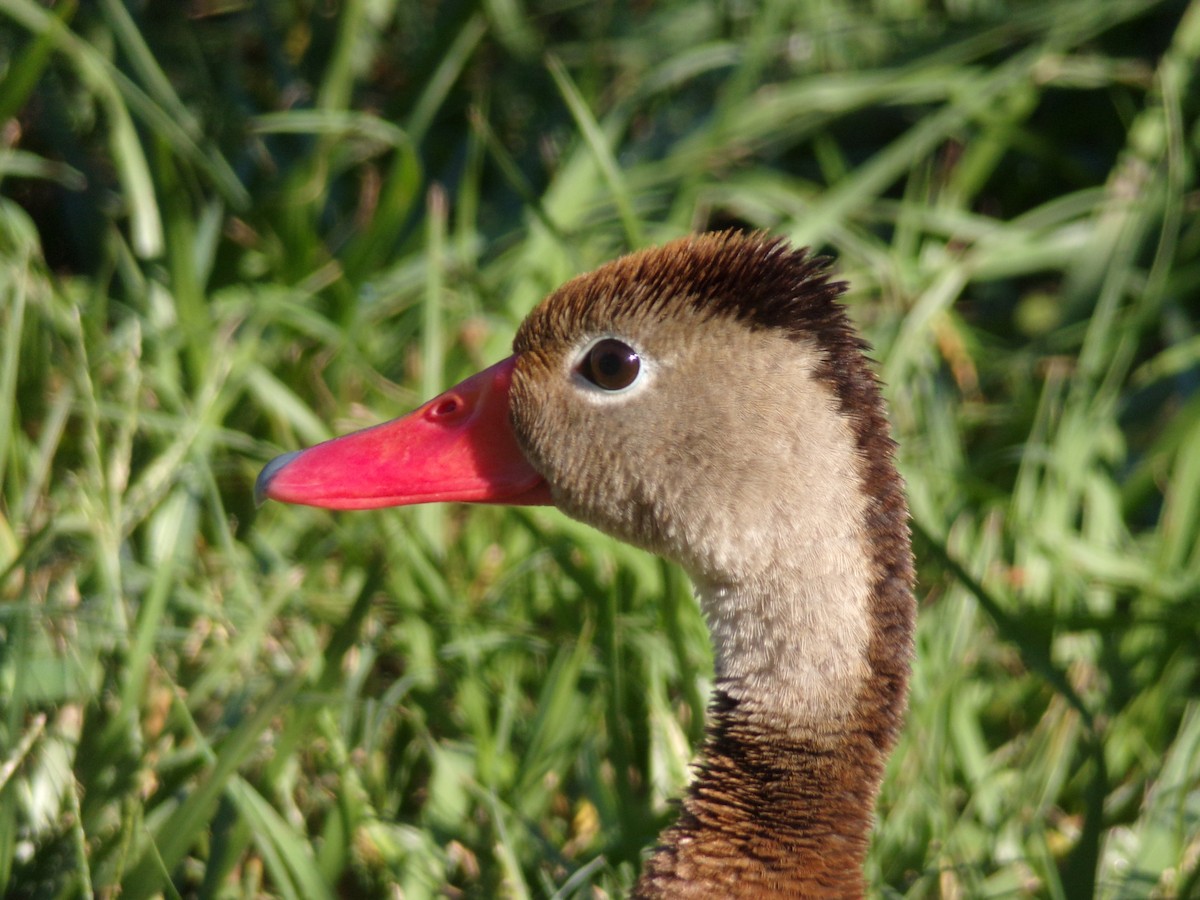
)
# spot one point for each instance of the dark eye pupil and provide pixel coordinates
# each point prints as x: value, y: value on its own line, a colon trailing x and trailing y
x: 611, y: 365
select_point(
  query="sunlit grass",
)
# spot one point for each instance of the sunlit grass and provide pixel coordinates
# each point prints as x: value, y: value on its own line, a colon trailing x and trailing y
x: 233, y: 235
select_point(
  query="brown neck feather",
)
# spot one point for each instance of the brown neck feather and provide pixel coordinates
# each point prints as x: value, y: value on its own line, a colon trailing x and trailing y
x: 769, y: 815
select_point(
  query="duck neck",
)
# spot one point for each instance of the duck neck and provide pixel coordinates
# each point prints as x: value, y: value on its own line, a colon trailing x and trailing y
x: 783, y: 797
x: 790, y: 646
x: 812, y: 669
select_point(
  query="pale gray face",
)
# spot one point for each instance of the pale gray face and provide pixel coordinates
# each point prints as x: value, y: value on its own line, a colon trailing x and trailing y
x: 627, y: 459
x: 723, y: 432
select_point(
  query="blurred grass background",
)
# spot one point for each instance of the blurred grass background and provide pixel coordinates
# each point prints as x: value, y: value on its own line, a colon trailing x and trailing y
x: 229, y: 229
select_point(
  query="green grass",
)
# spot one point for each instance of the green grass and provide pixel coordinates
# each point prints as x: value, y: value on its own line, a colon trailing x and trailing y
x: 232, y: 235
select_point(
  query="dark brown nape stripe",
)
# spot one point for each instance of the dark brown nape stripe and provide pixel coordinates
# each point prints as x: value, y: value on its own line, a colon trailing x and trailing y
x: 847, y: 369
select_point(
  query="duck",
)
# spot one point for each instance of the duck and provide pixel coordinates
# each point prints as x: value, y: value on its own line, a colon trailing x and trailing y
x: 710, y: 401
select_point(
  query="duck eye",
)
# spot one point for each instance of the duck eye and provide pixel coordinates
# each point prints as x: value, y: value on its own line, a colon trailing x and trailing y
x: 611, y: 365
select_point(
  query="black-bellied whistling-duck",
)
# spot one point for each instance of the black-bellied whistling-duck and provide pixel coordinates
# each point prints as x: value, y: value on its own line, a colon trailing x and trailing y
x: 709, y: 401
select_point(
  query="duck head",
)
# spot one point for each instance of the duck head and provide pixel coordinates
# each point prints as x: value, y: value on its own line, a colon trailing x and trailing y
x: 680, y: 399
x: 707, y: 400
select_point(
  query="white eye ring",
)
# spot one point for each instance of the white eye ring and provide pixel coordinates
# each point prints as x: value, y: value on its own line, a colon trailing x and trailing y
x: 609, y: 366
